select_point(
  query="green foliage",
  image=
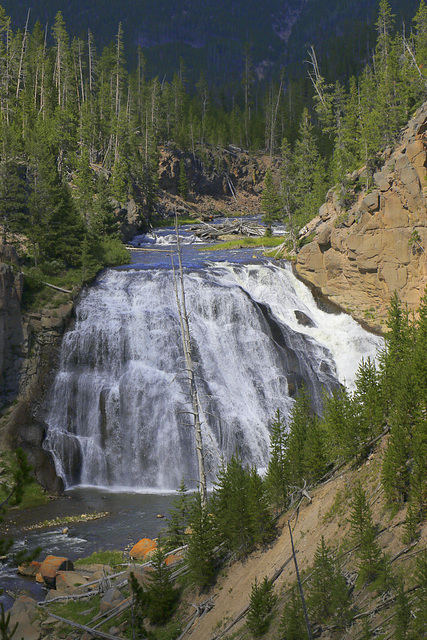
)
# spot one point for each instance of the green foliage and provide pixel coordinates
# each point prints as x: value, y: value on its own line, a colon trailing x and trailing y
x: 162, y: 594
x: 158, y: 599
x: 292, y: 623
x: 178, y: 520
x: 277, y: 476
x: 240, y: 508
x: 328, y: 595
x: 410, y: 526
x: 420, y: 622
x: 402, y: 612
x: 16, y: 476
x: 261, y: 604
x: 200, y: 554
x: 371, y: 561
x: 305, y: 443
x: 270, y: 201
x: 6, y: 633
x: 183, y: 180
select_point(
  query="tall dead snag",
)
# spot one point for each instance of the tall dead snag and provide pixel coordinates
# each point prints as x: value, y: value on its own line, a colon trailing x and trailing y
x: 189, y: 366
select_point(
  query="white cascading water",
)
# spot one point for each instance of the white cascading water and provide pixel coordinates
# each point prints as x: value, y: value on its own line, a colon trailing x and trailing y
x: 117, y: 414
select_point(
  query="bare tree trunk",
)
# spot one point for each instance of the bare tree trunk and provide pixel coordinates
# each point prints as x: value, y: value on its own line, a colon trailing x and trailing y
x: 21, y: 60
x: 186, y: 343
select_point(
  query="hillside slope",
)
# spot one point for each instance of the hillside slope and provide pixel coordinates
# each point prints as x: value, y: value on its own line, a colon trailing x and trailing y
x: 327, y: 515
x: 363, y: 252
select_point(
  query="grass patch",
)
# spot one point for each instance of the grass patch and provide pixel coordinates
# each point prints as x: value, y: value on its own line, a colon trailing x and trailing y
x: 243, y: 243
x: 34, y: 496
x: 81, y: 611
x: 112, y: 558
x: 170, y: 222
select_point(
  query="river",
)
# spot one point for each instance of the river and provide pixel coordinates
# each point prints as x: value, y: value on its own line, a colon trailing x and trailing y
x: 118, y: 409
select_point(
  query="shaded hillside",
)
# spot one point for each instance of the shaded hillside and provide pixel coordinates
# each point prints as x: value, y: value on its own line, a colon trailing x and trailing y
x: 211, y: 37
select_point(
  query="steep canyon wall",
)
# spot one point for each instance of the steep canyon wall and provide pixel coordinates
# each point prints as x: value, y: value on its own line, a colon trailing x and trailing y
x: 361, y: 254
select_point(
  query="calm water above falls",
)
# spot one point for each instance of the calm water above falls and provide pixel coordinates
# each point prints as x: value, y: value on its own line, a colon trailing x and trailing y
x: 117, y: 412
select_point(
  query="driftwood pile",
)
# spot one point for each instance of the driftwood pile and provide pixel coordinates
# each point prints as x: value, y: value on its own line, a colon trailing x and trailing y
x: 209, y: 233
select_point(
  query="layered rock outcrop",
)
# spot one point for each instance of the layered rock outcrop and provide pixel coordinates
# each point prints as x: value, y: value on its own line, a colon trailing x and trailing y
x: 361, y: 254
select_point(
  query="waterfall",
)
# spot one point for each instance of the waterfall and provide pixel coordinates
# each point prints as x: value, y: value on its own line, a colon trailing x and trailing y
x: 117, y: 412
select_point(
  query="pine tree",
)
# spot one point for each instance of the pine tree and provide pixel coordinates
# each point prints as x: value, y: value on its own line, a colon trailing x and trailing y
x: 277, y: 476
x: 104, y: 221
x: 300, y: 422
x: 261, y: 604
x: 286, y: 192
x: 371, y: 561
x: 162, y: 594
x: 13, y: 199
x: 368, y: 405
x: 270, y: 202
x: 262, y: 525
x: 315, y: 458
x: 292, y: 623
x: 402, y: 612
x: 309, y: 173
x: 179, y: 518
x: 338, y: 424
x: 420, y: 22
x: 84, y: 187
x: 328, y: 594
x: 420, y: 623
x: 200, y: 554
x: 56, y: 229
x: 183, y: 180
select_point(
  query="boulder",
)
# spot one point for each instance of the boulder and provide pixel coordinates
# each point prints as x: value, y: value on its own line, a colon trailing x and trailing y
x: 30, y: 570
x: 303, y: 319
x: 324, y: 237
x: 53, y: 593
x: 371, y: 202
x: 67, y: 581
x: 50, y: 568
x: 140, y: 550
x: 111, y: 599
x: 24, y: 613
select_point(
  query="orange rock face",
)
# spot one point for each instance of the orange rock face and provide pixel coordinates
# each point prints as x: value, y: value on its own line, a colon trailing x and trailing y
x: 142, y: 548
x: 50, y: 567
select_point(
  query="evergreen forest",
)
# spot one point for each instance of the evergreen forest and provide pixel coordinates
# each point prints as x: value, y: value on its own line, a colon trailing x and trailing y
x: 80, y: 132
x: 80, y: 135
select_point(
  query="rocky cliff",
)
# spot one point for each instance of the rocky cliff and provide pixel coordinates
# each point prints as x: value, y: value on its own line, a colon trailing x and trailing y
x: 365, y: 251
x: 29, y: 345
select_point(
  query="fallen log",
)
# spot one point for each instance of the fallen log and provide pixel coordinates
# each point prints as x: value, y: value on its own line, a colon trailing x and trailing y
x: 52, y: 286
x: 94, y: 632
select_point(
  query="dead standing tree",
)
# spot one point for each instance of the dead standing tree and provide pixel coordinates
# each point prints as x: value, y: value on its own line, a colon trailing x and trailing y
x: 189, y: 366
